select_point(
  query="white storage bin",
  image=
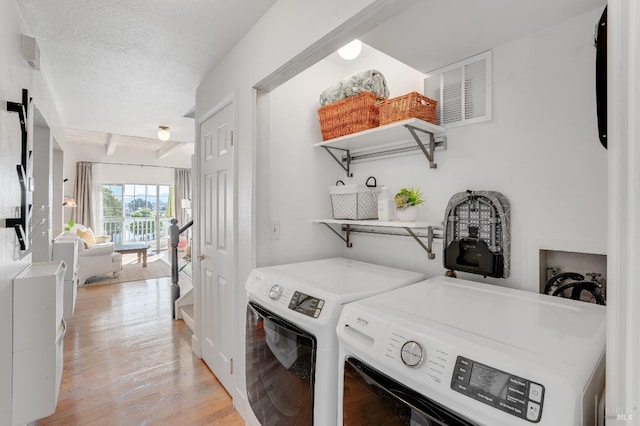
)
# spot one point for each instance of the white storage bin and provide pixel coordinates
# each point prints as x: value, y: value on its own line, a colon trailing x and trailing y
x: 355, y: 202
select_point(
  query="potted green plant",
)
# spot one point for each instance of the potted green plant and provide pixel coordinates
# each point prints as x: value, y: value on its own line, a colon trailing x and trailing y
x: 407, y: 201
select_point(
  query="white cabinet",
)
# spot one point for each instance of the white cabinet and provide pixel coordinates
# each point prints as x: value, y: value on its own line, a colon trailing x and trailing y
x: 38, y: 333
x: 65, y: 248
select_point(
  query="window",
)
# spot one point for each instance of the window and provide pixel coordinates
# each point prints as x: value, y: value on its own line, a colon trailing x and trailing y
x: 137, y: 213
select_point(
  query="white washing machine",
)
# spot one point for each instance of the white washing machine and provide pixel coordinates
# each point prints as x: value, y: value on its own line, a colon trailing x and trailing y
x: 452, y: 352
x: 291, y: 342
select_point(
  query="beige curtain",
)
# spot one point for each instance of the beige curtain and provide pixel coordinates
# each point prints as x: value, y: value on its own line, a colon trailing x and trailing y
x: 84, y: 194
x: 171, y: 205
x: 182, y: 184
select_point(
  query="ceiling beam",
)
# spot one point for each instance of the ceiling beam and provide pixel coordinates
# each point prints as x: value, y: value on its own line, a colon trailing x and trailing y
x: 168, y: 148
x: 112, y: 143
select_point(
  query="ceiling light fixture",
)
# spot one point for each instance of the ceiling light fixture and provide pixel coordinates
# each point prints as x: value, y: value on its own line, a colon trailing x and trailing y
x: 163, y: 133
x: 351, y: 50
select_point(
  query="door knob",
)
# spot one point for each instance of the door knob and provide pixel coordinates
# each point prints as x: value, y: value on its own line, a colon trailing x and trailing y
x: 201, y: 257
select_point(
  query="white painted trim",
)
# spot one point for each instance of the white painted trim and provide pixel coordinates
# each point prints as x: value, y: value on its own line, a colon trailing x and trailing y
x: 235, y: 141
x: 195, y: 344
x: 623, y: 296
x: 112, y: 143
x: 242, y: 406
x: 168, y: 149
x: 255, y: 93
x: 217, y: 107
x: 195, y: 248
x: 369, y: 17
x: 240, y: 400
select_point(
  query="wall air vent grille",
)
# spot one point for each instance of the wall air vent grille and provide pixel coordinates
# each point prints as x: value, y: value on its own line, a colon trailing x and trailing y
x: 463, y: 91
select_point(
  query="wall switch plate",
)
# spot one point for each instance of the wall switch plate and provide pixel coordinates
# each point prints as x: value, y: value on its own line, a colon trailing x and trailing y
x: 275, y: 230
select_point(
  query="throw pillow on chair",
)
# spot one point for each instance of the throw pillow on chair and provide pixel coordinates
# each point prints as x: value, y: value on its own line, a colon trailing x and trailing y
x: 87, y: 236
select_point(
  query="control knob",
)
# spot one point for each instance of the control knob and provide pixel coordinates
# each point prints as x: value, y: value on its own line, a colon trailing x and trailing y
x: 412, y: 354
x: 275, y: 292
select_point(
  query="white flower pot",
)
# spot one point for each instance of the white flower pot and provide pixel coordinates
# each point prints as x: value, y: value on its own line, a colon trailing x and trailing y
x: 408, y: 214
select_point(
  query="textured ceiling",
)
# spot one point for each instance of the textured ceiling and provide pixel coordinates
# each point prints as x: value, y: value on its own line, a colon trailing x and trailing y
x: 126, y: 67
x: 434, y: 33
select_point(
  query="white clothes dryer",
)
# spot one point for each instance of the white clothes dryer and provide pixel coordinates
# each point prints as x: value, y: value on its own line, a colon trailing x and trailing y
x: 291, y: 341
x: 453, y: 352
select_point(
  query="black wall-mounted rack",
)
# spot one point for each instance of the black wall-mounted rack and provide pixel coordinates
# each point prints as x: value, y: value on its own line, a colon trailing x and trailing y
x: 21, y: 224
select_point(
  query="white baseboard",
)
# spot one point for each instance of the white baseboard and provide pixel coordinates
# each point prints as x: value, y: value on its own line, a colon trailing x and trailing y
x: 195, y: 346
x: 241, y: 404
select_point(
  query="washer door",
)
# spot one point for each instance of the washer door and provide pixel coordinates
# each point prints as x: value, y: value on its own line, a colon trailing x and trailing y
x: 370, y: 397
x: 280, y: 363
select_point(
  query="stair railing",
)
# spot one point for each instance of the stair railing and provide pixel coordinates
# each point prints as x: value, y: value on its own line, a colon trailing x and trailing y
x: 174, y: 233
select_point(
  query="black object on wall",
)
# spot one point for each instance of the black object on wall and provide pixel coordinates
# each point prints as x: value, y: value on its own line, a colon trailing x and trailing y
x: 601, y: 76
x: 21, y: 224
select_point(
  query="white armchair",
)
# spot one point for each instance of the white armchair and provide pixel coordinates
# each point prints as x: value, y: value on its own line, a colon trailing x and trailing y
x: 96, y: 256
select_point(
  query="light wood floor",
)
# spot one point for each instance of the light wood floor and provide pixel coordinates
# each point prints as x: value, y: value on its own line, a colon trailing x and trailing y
x: 126, y: 362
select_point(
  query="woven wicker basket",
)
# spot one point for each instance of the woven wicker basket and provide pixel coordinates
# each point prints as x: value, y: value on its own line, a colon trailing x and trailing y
x: 349, y: 115
x: 411, y: 105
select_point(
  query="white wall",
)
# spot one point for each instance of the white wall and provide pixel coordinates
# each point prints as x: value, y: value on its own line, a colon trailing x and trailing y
x: 42, y: 195
x: 290, y: 29
x: 57, y: 210
x: 128, y: 166
x: 14, y: 76
x: 293, y: 177
x: 76, y: 152
x: 540, y: 150
x: 536, y: 127
x: 623, y: 315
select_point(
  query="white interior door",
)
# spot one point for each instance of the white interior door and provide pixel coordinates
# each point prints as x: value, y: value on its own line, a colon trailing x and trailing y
x: 217, y: 236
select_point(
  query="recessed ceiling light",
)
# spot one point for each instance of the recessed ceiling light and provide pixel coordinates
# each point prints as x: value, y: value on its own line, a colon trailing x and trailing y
x: 351, y: 50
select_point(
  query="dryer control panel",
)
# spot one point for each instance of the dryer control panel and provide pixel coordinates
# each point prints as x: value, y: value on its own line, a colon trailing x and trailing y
x: 511, y: 394
x: 305, y: 304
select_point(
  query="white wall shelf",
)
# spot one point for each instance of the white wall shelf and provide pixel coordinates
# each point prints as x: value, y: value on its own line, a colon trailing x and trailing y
x: 347, y: 226
x: 383, y: 140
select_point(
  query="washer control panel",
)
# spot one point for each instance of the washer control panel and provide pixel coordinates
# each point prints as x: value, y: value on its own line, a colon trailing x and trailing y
x: 412, y: 354
x: 305, y: 304
x: 511, y: 394
x: 427, y: 358
x: 275, y: 292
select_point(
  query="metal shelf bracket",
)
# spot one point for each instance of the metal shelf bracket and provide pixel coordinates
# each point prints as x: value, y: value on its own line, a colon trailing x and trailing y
x: 344, y: 157
x: 430, y: 148
x: 427, y: 247
x: 346, y: 229
x: 344, y: 161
